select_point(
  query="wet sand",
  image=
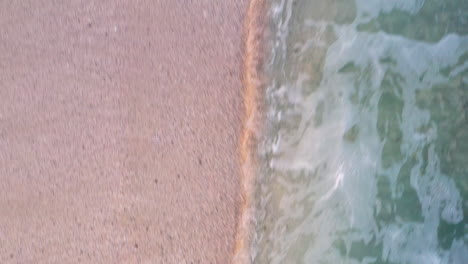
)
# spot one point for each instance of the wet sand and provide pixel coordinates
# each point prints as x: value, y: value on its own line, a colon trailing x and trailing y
x: 120, y: 124
x: 255, y: 32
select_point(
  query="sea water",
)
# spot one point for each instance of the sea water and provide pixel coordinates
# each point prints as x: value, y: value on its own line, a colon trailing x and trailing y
x: 366, y: 149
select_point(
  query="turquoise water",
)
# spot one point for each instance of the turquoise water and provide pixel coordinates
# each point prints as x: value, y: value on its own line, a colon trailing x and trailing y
x: 366, y: 155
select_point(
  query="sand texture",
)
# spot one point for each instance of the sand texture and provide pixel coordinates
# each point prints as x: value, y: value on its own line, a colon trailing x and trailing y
x: 120, y: 124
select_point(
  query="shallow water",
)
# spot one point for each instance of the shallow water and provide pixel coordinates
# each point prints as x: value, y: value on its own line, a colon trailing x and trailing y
x: 366, y: 155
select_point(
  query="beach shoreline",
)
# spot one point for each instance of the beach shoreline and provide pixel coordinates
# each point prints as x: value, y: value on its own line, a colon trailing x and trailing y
x: 253, y: 88
x: 120, y: 125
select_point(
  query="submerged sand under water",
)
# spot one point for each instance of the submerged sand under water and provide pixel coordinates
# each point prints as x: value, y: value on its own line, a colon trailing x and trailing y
x: 366, y: 148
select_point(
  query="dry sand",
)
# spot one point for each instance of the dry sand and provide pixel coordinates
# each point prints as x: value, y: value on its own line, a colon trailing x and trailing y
x: 119, y: 130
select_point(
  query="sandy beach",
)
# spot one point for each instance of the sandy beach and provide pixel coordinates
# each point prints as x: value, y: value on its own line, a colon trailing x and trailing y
x: 120, y: 124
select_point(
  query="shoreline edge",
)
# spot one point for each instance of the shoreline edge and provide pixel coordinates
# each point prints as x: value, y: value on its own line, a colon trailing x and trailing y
x: 252, y: 80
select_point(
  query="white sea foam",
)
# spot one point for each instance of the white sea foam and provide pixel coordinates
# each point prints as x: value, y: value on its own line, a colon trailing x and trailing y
x: 328, y: 194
